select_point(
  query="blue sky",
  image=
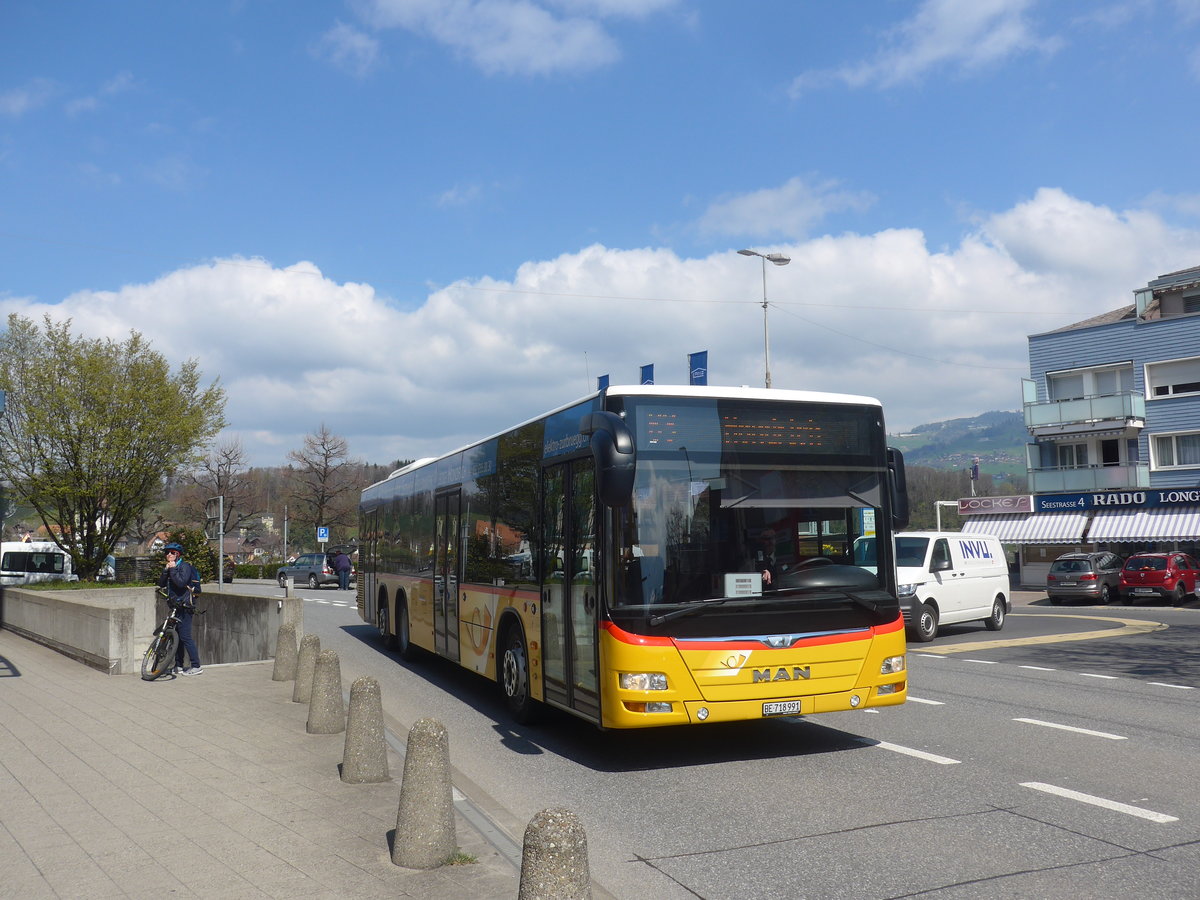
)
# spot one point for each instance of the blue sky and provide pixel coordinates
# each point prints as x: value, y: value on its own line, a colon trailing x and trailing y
x: 420, y: 221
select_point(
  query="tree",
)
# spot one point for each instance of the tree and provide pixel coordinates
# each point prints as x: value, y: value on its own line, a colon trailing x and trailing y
x: 92, y: 428
x: 325, y: 482
x: 223, y: 473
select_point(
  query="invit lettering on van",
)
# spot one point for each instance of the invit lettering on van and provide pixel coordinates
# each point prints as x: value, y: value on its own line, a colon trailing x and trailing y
x: 948, y: 577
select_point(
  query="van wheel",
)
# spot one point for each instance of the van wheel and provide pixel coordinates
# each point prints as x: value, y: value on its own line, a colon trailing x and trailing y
x: 1105, y: 595
x: 995, y: 621
x: 926, y: 625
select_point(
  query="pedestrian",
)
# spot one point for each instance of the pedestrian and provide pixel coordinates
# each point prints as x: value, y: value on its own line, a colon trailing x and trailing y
x: 342, y: 565
x: 182, y: 582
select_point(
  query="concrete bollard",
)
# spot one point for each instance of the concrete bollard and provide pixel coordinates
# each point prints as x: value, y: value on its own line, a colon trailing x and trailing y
x: 425, y: 835
x: 310, y: 646
x: 364, y: 759
x: 285, y: 653
x: 554, y: 864
x: 326, y: 709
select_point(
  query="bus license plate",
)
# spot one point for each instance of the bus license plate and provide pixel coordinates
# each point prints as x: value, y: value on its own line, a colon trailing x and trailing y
x: 782, y: 708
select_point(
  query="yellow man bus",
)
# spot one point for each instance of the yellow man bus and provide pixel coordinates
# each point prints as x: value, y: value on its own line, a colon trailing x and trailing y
x: 653, y: 555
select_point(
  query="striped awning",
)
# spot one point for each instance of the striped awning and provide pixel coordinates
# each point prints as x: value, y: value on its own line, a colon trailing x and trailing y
x: 1030, y: 528
x: 1177, y: 523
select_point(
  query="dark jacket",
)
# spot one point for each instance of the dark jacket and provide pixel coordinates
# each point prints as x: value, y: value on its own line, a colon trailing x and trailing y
x: 181, y: 582
x: 341, y: 563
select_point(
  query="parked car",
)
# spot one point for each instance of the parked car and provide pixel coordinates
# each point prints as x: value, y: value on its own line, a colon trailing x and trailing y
x: 1084, y: 576
x: 1166, y: 576
x: 313, y: 569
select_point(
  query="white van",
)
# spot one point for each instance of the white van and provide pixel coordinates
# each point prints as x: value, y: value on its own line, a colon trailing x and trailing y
x: 948, y: 577
x: 27, y: 562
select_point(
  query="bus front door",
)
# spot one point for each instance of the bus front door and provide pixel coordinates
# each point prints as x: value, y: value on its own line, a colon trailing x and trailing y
x: 569, y: 590
x: 446, y: 574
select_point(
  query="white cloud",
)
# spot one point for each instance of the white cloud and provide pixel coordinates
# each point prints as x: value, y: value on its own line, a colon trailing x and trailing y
x: 15, y: 102
x: 349, y: 49
x: 515, y: 37
x: 791, y: 210
x: 959, y: 34
x: 933, y: 334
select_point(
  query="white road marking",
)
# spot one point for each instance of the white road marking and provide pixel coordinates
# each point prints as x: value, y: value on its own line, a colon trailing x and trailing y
x: 1038, y: 668
x: 983, y: 662
x: 909, y: 751
x: 912, y: 699
x: 1178, y: 687
x: 1150, y: 815
x: 1088, y: 731
x: 1094, y: 675
x: 930, y: 655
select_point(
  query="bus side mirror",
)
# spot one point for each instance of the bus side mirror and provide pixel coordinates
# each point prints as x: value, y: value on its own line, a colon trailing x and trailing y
x: 615, y: 456
x: 897, y: 488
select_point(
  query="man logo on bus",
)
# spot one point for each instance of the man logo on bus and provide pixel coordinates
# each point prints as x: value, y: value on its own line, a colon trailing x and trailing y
x: 797, y: 673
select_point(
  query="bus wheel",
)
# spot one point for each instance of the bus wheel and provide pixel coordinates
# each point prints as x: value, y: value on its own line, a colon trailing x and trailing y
x: 385, y: 627
x: 514, y: 676
x: 926, y: 623
x: 995, y: 621
x: 403, y: 639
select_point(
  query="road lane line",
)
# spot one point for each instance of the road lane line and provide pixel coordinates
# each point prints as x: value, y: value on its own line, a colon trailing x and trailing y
x: 1128, y: 626
x: 1152, y: 816
x: 909, y: 751
x: 1103, y: 734
x: 912, y: 699
x: 1095, y: 675
x: 984, y: 662
x: 1038, y: 668
x: 1178, y: 687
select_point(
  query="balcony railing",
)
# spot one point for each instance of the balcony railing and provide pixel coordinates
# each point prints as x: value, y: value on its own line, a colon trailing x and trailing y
x: 1094, y: 478
x: 1100, y: 409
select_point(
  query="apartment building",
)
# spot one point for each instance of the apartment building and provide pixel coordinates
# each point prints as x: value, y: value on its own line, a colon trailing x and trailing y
x: 1112, y: 405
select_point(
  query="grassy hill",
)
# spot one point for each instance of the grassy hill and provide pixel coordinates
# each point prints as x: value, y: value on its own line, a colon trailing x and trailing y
x: 997, y: 438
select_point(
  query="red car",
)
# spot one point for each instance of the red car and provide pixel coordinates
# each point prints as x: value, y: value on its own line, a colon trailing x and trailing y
x: 1167, y: 576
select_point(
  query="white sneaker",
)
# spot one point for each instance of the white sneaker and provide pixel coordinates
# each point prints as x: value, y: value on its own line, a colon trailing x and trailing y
x: 178, y: 670
x: 195, y: 670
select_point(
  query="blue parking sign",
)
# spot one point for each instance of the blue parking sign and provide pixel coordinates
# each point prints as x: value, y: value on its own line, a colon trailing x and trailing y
x: 322, y: 534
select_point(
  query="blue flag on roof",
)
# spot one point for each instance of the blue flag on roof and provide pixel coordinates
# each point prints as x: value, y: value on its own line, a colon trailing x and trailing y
x: 698, y: 367
x: 647, y: 374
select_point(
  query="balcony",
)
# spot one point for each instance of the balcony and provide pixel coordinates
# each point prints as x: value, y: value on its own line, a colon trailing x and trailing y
x: 1092, y: 478
x: 1103, y: 412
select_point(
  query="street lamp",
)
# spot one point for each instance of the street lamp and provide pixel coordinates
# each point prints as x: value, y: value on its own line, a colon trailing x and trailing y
x: 780, y: 260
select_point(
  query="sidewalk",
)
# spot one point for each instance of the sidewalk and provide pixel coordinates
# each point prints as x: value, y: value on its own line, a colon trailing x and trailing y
x: 111, y: 786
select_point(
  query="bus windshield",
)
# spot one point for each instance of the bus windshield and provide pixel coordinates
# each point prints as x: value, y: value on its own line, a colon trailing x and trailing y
x: 739, y: 500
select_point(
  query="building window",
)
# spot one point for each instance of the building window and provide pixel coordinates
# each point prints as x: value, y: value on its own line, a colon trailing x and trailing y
x: 1191, y: 302
x: 1176, y: 451
x: 1080, y: 383
x: 1072, y: 456
x: 1170, y: 379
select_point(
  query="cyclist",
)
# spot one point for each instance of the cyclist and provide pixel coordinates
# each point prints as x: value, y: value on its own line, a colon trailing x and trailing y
x: 182, y: 582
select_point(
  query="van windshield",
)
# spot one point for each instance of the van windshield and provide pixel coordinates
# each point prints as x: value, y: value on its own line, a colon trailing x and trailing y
x: 910, y: 551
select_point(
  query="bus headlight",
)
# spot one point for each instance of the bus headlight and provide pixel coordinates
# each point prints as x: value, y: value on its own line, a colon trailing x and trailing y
x: 892, y: 665
x: 643, y: 681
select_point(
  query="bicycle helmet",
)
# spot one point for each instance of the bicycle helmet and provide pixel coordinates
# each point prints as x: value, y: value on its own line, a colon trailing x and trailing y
x: 173, y: 546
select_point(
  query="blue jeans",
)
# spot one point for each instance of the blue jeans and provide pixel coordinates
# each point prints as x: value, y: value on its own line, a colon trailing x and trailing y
x: 343, y: 579
x: 186, y: 641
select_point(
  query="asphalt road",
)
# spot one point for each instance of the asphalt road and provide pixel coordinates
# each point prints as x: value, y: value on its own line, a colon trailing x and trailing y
x: 1051, y: 759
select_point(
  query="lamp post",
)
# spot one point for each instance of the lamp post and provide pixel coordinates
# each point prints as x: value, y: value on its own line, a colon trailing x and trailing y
x: 780, y: 260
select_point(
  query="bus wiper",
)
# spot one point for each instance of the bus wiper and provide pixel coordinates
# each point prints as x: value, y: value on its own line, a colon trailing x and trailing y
x: 690, y: 609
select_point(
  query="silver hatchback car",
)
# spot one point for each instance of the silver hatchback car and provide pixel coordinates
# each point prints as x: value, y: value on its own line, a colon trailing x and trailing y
x: 1095, y: 577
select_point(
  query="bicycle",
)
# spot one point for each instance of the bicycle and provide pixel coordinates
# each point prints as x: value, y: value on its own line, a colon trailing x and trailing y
x: 159, y: 658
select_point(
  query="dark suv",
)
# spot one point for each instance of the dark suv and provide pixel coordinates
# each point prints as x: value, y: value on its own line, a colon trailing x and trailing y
x: 313, y: 569
x: 1084, y: 576
x: 1165, y: 576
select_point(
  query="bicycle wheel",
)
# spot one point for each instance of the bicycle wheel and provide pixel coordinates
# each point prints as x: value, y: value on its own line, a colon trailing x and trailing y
x: 160, y: 655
